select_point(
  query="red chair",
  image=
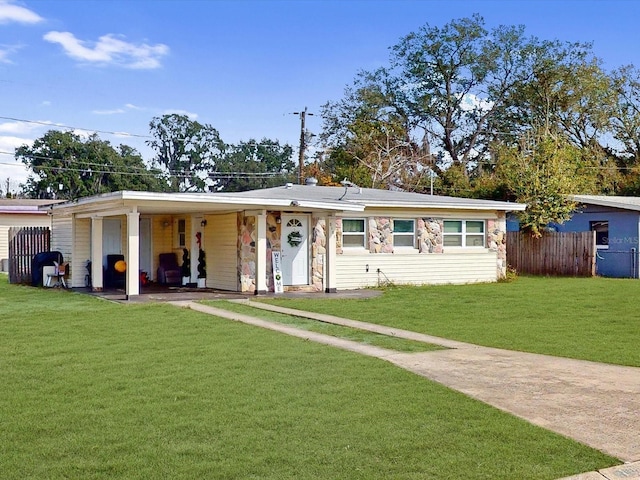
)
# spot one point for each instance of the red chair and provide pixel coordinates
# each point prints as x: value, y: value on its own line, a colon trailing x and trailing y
x: 169, y: 272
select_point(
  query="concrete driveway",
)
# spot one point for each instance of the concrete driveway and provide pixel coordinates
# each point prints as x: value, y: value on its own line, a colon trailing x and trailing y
x: 596, y: 404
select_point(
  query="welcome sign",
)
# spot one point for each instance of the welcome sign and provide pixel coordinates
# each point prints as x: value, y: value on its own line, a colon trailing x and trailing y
x: 277, y: 272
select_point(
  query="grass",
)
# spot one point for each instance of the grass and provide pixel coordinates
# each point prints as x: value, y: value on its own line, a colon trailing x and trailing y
x: 361, y: 336
x: 594, y: 319
x: 96, y: 390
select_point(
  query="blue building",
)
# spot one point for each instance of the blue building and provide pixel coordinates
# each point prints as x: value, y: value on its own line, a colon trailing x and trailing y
x: 616, y: 221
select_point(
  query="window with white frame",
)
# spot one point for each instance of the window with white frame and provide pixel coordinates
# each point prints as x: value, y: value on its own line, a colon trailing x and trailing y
x: 353, y: 232
x: 181, y: 238
x: 404, y: 233
x: 601, y: 227
x: 463, y: 233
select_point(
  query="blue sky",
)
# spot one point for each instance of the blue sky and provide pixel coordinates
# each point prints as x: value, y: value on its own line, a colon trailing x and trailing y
x: 241, y: 66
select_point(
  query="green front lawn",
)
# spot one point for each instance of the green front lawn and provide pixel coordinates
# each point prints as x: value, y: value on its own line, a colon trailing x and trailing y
x: 96, y: 390
x: 586, y: 318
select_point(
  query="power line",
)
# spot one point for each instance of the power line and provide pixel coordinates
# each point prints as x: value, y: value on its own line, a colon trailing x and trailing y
x: 215, y: 175
x: 127, y: 134
x: 47, y: 124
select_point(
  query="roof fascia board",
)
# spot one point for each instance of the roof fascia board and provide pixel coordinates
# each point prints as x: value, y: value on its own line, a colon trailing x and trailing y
x: 448, y: 206
x: 432, y: 213
x: 106, y: 213
x: 604, y: 203
x: 106, y: 203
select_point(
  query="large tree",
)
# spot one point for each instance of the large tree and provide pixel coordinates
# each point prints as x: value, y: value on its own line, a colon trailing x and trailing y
x: 542, y: 170
x: 65, y: 165
x: 371, y: 136
x: 186, y: 151
x: 460, y: 90
x: 441, y: 91
x: 251, y: 165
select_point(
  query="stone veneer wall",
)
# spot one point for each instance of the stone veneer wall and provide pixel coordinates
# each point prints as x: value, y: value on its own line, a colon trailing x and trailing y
x: 429, y: 231
x: 247, y: 252
x: 338, y: 235
x: 318, y: 253
x: 380, y: 235
x: 497, y: 241
x: 247, y: 249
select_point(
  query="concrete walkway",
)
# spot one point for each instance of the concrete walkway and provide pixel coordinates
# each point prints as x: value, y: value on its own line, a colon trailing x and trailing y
x: 596, y: 404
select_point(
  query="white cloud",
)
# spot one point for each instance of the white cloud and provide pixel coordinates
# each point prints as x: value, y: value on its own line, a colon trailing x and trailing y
x: 192, y: 116
x: 472, y: 102
x: 6, y: 50
x: 19, y: 128
x: 115, y: 111
x: 10, y: 12
x: 10, y: 143
x: 11, y: 168
x: 110, y: 50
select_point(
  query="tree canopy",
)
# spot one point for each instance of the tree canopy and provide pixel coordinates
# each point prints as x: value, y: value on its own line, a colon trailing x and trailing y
x: 454, y: 100
x: 250, y: 165
x: 191, y: 157
x: 64, y: 165
x: 186, y: 151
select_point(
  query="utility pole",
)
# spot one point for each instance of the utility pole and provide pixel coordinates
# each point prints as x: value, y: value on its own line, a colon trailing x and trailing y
x: 303, y: 143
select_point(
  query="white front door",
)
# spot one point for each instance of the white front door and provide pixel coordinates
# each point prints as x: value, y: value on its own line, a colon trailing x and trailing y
x: 295, y: 249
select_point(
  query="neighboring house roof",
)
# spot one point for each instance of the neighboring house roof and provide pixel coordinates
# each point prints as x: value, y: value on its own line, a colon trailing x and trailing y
x: 626, y: 203
x: 351, y: 199
x: 24, y: 206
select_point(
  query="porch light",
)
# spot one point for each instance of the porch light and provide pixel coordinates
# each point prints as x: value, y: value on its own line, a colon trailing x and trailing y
x: 203, y: 223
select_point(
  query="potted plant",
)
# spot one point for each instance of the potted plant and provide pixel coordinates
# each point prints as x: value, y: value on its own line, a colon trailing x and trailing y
x: 186, y: 267
x: 202, y: 269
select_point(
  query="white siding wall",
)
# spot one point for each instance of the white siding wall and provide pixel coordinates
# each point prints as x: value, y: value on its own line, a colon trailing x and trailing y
x: 62, y: 237
x: 221, y: 248
x: 417, y: 269
x: 16, y: 220
x: 82, y: 251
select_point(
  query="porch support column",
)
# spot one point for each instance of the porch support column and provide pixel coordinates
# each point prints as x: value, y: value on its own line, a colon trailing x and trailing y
x: 330, y: 254
x: 133, y: 254
x: 96, y: 254
x: 261, y: 253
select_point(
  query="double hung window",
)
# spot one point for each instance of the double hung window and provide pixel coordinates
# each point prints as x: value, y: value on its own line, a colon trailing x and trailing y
x: 464, y: 233
x: 181, y: 238
x: 353, y: 232
x: 404, y: 233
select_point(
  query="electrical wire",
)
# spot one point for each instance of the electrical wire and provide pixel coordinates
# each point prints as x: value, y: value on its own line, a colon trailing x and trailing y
x: 47, y: 124
x: 213, y: 175
x: 124, y: 134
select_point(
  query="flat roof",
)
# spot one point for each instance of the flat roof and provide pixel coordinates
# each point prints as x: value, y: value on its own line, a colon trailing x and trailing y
x: 25, y: 205
x: 294, y: 197
x: 625, y: 203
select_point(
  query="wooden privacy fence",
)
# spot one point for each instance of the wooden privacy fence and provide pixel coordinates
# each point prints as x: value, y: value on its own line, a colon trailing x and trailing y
x: 555, y: 253
x: 24, y: 244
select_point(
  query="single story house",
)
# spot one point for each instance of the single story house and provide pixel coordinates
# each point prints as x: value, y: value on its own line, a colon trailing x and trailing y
x: 616, y: 223
x: 20, y: 212
x: 324, y: 238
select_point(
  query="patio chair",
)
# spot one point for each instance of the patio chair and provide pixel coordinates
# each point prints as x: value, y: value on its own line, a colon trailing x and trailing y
x: 169, y: 271
x: 59, y: 273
